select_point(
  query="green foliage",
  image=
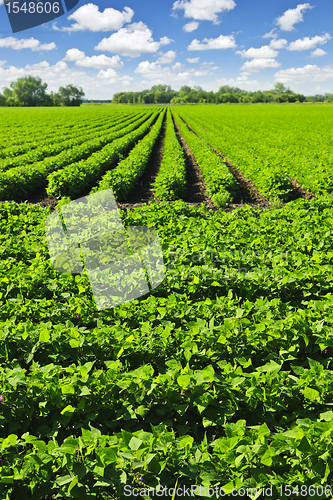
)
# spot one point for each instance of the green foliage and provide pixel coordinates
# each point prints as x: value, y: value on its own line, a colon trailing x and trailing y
x: 220, y: 182
x: 221, y: 377
x: 124, y: 178
x: 18, y: 182
x: 170, y: 182
x: 73, y: 179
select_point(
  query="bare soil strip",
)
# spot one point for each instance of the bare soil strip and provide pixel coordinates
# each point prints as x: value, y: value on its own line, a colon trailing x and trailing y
x: 247, y: 190
x: 144, y: 192
x: 196, y: 192
x: 299, y: 192
x: 196, y: 187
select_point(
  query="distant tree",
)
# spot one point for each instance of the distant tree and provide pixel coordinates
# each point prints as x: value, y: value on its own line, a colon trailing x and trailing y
x: 27, y: 91
x: 70, y: 95
x: 8, y: 95
x: 279, y: 88
x: 2, y: 100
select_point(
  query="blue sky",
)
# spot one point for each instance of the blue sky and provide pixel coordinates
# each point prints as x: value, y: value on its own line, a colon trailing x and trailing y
x: 112, y: 46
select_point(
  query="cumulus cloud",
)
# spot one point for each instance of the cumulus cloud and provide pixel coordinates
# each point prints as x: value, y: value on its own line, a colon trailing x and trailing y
x: 264, y: 52
x: 309, y: 43
x: 111, y: 76
x: 222, y: 42
x: 177, y: 66
x: 204, y: 11
x: 257, y: 65
x: 278, y: 44
x: 193, y: 59
x: 241, y: 81
x: 292, y: 16
x: 60, y: 74
x: 97, y: 62
x: 202, y: 72
x: 310, y: 73
x: 155, y: 74
x: 132, y: 41
x: 271, y: 34
x: 190, y: 26
x: 318, y: 53
x: 89, y: 18
x: 25, y: 43
x: 167, y: 58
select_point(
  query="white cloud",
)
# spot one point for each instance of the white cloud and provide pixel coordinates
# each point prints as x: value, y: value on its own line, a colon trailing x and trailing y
x: 61, y: 74
x: 177, y: 66
x: 97, y: 62
x: 25, y: 43
x: 264, y: 52
x: 132, y: 41
x: 111, y: 76
x: 222, y: 42
x: 310, y: 73
x: 257, y: 65
x: 193, y: 59
x: 202, y: 72
x: 318, y: 53
x: 292, y: 16
x: 190, y: 26
x: 278, y: 44
x: 204, y: 11
x: 309, y: 43
x: 155, y: 74
x: 241, y: 81
x: 271, y: 34
x: 89, y: 18
x: 167, y: 58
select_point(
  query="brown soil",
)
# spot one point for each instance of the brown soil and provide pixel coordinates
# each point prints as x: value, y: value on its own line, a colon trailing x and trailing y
x: 144, y: 192
x: 299, y: 192
x: 196, y: 192
x: 247, y: 190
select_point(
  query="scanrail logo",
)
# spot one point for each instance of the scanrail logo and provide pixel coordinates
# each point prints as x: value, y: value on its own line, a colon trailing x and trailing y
x: 23, y: 14
x: 121, y: 264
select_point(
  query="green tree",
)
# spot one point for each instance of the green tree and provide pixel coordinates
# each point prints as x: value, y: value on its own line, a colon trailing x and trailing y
x: 70, y: 95
x: 29, y: 91
x: 279, y: 88
x: 8, y: 95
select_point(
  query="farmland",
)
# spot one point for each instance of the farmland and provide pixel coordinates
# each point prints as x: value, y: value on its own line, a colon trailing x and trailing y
x: 221, y: 376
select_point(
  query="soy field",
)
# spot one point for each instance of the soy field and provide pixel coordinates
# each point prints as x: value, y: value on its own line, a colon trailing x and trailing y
x: 218, y: 382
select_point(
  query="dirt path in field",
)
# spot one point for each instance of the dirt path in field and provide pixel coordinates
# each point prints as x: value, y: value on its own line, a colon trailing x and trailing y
x: 299, y: 192
x: 196, y: 192
x: 247, y: 190
x: 144, y: 192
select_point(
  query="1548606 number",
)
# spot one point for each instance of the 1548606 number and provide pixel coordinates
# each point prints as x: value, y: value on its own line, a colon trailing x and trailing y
x: 305, y: 491
x: 33, y: 8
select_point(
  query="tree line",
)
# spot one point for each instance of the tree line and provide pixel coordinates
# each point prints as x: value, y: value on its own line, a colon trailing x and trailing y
x: 164, y: 94
x: 30, y: 91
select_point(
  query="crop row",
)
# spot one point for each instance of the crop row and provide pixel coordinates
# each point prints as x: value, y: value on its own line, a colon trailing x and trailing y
x: 43, y: 122
x: 271, y: 144
x: 63, y: 134
x: 20, y: 181
x: 211, y: 380
x: 170, y: 182
x: 52, y: 148
x: 126, y: 175
x: 271, y: 181
x: 222, y: 186
x: 73, y: 179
